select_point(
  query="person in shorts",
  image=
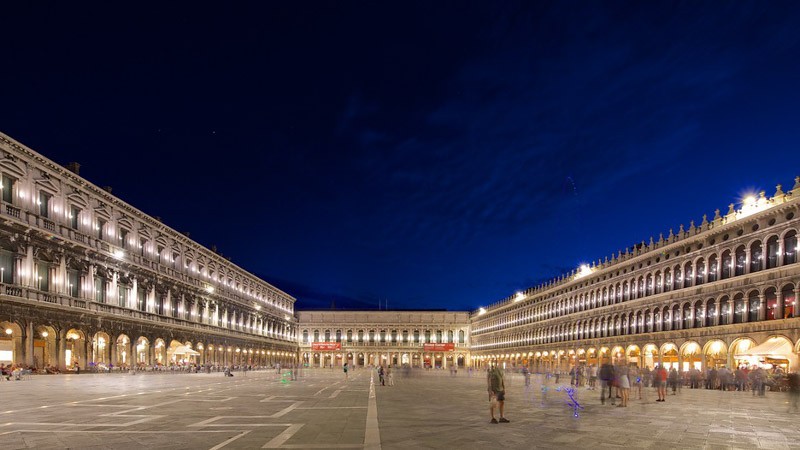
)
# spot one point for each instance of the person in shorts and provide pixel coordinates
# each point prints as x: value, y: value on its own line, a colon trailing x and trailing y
x: 661, y: 383
x: 497, y: 393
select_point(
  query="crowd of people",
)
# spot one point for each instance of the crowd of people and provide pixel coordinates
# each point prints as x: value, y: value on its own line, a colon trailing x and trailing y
x: 757, y: 379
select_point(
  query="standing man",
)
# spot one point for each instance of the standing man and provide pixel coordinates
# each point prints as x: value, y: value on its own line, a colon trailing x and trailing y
x: 661, y: 383
x: 345, y: 371
x: 497, y: 393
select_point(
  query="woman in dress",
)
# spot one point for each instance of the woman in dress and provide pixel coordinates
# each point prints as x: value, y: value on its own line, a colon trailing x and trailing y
x: 624, y: 385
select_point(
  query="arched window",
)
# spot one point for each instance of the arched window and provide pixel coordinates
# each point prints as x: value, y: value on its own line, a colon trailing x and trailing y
x: 698, y: 314
x: 738, y: 308
x: 788, y: 301
x: 756, y: 257
x: 305, y: 336
x: 727, y: 264
x: 316, y: 335
x: 790, y: 248
x: 771, y: 298
x: 687, y: 275
x: 677, y: 278
x: 724, y: 311
x: 338, y: 335
x: 687, y: 316
x: 711, y: 312
x: 754, y: 307
x: 741, y: 258
x: 772, y: 252
x: 700, y: 273
x: 667, y: 279
x: 712, y: 268
x: 327, y: 335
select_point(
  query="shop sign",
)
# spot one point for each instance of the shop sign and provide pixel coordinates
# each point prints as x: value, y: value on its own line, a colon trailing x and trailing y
x: 439, y: 347
x: 326, y: 346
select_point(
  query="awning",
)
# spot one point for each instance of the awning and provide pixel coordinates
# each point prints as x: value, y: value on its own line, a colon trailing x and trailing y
x: 184, y: 350
x: 773, y: 348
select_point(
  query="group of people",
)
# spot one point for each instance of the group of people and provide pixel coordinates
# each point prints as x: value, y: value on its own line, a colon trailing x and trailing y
x: 14, y: 371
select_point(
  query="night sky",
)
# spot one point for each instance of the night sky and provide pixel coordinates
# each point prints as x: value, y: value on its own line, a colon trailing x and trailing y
x: 414, y: 155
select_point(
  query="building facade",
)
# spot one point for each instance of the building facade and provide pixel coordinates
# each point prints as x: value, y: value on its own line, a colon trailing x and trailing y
x: 437, y: 339
x: 719, y: 294
x: 86, y: 279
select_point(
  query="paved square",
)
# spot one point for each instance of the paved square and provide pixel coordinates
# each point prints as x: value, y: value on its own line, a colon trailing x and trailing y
x: 321, y: 409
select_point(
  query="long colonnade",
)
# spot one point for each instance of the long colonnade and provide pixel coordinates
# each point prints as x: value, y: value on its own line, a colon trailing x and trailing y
x: 83, y: 275
x: 712, y: 289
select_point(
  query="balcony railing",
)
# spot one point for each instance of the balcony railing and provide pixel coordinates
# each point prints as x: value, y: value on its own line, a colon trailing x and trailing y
x: 27, y: 295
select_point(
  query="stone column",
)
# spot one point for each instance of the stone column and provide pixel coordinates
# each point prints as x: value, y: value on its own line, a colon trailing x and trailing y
x: 717, y: 312
x: 762, y: 308
x: 28, y: 338
x: 61, y: 350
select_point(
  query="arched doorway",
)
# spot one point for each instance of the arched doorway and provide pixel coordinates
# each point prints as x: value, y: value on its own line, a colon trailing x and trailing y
x: 75, y: 351
x: 632, y: 355
x: 738, y: 351
x: 141, y: 350
x: 44, y: 347
x: 122, y: 353
x: 692, y: 357
x: 716, y: 354
x: 649, y: 356
x: 669, y: 356
x: 10, y: 343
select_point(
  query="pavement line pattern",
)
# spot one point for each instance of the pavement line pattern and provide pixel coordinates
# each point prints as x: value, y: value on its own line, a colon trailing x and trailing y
x: 207, y: 422
x: 372, y: 435
x: 278, y: 440
x: 223, y: 444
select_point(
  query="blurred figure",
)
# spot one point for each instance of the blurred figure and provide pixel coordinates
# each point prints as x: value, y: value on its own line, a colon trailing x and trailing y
x: 635, y: 378
x: 673, y: 379
x: 592, y: 376
x: 793, y: 379
x: 606, y: 381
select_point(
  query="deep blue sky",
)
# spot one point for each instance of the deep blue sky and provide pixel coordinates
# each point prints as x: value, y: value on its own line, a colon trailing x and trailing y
x: 433, y: 155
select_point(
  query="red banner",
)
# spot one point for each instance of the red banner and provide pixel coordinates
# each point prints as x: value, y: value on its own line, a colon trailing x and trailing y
x: 326, y: 346
x: 439, y: 347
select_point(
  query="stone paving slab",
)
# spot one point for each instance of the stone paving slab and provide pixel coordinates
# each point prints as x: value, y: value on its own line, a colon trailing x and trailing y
x: 424, y: 410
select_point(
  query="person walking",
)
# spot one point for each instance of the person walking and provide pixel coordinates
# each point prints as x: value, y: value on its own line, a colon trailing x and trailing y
x: 673, y: 379
x: 606, y: 381
x: 527, y: 375
x: 390, y: 375
x: 635, y: 378
x: 344, y: 368
x: 793, y: 379
x: 381, y: 375
x: 497, y: 393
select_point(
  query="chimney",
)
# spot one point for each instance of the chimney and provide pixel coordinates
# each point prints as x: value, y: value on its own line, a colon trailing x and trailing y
x: 74, y: 167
